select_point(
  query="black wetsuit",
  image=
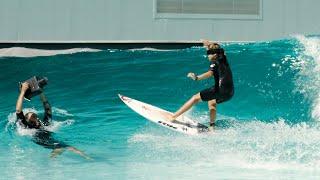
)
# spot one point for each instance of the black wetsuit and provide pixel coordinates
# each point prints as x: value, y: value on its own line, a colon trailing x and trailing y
x: 42, y: 136
x: 223, y: 89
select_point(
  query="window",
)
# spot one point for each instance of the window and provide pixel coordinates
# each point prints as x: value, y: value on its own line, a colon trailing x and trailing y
x: 225, y: 9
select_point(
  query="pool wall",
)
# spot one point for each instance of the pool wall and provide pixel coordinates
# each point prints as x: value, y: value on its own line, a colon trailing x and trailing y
x: 108, y: 21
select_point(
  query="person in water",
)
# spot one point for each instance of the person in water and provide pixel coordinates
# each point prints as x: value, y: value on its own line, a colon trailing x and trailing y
x: 222, y: 90
x: 42, y: 137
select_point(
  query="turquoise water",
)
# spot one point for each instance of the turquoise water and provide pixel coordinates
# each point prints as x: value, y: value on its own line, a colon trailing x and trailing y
x: 268, y: 130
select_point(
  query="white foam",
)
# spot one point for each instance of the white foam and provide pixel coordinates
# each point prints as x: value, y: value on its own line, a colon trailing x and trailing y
x: 12, y: 116
x: 249, y: 145
x: 59, y: 111
x: 28, y: 52
x: 308, y: 80
x: 54, y: 126
x: 151, y: 49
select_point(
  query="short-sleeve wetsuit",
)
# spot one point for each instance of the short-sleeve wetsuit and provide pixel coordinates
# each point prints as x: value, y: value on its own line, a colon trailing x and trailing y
x: 223, y: 89
x: 46, y: 119
x: 42, y: 136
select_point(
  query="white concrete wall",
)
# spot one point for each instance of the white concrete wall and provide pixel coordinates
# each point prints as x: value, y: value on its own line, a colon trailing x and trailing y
x: 114, y: 20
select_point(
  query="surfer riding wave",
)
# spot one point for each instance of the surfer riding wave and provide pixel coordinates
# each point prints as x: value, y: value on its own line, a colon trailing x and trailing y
x: 223, y: 88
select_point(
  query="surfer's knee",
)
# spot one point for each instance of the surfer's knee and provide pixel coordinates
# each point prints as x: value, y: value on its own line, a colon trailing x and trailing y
x: 196, y: 98
x: 212, y: 105
x: 212, y: 108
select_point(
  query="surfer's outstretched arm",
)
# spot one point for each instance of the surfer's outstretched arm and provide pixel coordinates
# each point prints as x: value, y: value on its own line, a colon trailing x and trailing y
x: 200, y: 77
x: 205, y: 75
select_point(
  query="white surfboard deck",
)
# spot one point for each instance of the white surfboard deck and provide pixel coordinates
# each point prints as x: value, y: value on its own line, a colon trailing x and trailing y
x: 159, y: 116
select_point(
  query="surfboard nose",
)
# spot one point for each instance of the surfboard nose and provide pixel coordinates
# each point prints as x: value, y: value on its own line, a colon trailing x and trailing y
x: 122, y: 97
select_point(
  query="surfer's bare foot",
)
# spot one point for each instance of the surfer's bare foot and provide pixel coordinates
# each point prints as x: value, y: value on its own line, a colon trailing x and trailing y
x: 168, y: 116
x: 171, y: 118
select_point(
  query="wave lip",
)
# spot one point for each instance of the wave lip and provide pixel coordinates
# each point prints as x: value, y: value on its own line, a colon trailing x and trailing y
x: 28, y: 52
x: 308, y: 79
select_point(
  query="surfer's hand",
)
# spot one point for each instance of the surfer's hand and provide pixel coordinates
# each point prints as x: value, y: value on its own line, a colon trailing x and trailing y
x: 192, y: 76
x: 24, y: 87
x: 205, y: 42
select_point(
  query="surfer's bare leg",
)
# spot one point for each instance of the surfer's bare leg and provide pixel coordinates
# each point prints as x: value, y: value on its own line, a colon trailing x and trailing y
x: 212, y: 105
x: 193, y: 100
x: 57, y: 151
x: 77, y: 151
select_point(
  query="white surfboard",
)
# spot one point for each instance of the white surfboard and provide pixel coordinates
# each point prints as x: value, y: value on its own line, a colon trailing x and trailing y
x: 159, y: 116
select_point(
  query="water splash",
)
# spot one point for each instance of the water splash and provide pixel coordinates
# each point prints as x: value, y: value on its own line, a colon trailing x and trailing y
x: 61, y: 112
x: 55, y: 125
x: 251, y: 145
x: 308, y: 78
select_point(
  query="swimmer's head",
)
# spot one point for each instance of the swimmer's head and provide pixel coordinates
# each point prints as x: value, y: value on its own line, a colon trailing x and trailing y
x: 214, y: 51
x: 32, y: 120
x: 213, y: 46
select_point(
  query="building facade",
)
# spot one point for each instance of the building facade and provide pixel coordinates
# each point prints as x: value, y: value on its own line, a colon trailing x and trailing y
x: 155, y: 20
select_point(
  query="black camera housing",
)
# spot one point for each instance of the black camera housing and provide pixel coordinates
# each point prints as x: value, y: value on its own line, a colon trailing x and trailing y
x: 36, y: 85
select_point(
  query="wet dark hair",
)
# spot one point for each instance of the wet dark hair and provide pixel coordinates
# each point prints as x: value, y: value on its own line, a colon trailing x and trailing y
x: 30, y: 124
x: 214, y: 46
x: 26, y: 115
x: 218, y: 51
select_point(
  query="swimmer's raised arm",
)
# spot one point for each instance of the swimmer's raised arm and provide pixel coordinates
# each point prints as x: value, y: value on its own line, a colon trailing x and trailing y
x: 203, y: 76
x: 47, y: 109
x: 24, y: 88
